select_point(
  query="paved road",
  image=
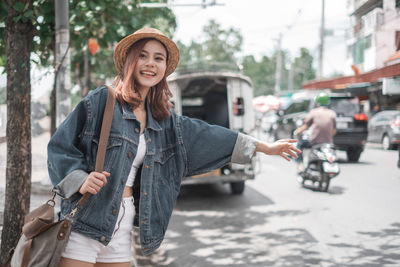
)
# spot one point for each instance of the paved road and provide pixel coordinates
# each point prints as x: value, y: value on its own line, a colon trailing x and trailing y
x: 278, y: 223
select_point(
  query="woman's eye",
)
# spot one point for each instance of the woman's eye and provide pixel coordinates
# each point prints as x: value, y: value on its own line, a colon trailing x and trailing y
x: 160, y: 58
x: 142, y: 55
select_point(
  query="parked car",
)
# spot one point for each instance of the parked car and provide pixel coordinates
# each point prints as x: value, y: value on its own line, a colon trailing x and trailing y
x: 352, y: 125
x: 384, y: 128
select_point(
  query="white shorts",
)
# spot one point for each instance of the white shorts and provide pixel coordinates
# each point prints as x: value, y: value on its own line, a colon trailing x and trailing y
x: 82, y: 248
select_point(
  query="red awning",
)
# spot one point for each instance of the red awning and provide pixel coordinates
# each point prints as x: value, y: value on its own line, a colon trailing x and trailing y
x: 343, y: 82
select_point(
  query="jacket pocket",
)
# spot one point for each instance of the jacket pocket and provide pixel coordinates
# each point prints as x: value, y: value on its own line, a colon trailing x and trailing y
x: 165, y: 169
x: 113, y: 146
x: 164, y: 156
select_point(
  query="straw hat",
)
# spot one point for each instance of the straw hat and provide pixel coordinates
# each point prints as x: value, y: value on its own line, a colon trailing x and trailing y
x: 123, y: 46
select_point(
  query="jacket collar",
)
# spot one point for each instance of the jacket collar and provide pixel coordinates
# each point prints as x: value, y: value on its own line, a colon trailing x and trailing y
x: 127, y: 113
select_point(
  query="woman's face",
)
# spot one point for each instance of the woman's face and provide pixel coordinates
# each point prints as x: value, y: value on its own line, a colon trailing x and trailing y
x: 151, y: 65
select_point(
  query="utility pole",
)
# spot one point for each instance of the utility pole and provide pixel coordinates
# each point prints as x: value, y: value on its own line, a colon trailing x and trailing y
x: 62, y: 80
x: 290, y: 78
x: 321, y: 45
x: 278, y: 66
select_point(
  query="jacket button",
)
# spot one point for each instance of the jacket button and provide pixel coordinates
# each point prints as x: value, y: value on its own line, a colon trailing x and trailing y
x: 145, y: 194
x: 149, y: 140
x: 123, y: 181
x: 136, y: 130
x: 114, y: 212
x: 130, y: 154
x: 147, y: 167
x: 103, y: 238
x: 144, y: 221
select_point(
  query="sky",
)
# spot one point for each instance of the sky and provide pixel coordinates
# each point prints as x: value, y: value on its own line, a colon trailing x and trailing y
x: 262, y: 21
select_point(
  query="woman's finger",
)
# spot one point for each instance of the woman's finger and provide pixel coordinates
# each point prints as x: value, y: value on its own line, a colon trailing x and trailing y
x: 94, y: 186
x: 288, y: 140
x: 295, y: 149
x: 99, y: 178
x: 92, y: 191
x: 99, y: 181
x: 293, y: 154
x: 284, y: 156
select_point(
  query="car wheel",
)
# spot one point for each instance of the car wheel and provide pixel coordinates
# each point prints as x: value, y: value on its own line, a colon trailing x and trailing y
x: 237, y: 188
x: 386, y: 142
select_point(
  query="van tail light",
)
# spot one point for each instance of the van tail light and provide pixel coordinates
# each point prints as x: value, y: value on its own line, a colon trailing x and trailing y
x: 238, y: 106
x: 361, y: 117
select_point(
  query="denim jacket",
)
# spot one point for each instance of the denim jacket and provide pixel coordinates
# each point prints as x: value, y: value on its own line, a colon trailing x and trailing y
x: 176, y: 147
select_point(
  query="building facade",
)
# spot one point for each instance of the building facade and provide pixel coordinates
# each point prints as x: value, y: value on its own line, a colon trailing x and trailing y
x: 374, y: 34
x: 373, y: 51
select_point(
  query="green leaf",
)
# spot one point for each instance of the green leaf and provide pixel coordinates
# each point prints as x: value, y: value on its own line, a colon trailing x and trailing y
x: 17, y: 18
x: 19, y: 6
x: 26, y: 7
x: 29, y: 14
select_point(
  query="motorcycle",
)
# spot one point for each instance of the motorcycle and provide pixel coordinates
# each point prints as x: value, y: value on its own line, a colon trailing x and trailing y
x: 321, y: 166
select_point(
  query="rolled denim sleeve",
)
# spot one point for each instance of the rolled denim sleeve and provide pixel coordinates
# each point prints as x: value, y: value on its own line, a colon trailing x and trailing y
x: 66, y: 156
x: 244, y: 149
x: 206, y: 147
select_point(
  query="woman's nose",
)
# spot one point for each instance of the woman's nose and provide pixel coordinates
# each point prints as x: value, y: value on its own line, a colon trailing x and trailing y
x: 149, y: 62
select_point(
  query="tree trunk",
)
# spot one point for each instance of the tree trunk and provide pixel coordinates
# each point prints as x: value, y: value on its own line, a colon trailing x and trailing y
x: 18, y: 37
x: 78, y: 78
x: 53, y: 107
x: 86, y: 72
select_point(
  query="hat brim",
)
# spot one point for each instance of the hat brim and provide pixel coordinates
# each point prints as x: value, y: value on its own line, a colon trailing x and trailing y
x: 122, y: 48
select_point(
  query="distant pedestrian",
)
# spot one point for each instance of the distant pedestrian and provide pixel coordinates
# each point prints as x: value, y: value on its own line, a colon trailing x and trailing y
x: 149, y: 151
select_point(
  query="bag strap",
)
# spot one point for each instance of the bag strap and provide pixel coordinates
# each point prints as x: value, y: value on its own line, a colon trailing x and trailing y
x: 104, y: 134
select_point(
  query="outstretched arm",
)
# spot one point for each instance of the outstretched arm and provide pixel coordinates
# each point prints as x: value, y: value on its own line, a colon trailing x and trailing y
x: 282, y: 148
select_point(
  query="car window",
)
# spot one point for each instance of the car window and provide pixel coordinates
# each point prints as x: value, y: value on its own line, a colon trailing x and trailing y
x: 296, y: 107
x: 385, y: 116
x: 383, y: 119
x: 345, y: 106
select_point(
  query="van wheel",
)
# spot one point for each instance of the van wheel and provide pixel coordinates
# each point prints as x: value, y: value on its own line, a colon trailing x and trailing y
x: 237, y: 188
x: 353, y: 155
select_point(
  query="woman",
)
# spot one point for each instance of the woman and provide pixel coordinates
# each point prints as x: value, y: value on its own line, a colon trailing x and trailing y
x: 150, y: 149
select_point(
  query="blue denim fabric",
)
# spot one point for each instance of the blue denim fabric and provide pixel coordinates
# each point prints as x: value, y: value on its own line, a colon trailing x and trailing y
x: 176, y: 147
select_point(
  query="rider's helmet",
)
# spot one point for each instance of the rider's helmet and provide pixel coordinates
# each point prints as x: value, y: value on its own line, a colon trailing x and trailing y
x: 322, y: 99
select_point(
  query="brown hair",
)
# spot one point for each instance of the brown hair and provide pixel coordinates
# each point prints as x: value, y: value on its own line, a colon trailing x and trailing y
x: 125, y: 87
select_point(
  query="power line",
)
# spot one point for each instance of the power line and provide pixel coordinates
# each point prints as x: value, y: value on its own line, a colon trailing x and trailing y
x: 203, y: 4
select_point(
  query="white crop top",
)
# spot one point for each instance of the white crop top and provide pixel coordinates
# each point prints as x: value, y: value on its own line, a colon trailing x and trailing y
x: 141, y: 152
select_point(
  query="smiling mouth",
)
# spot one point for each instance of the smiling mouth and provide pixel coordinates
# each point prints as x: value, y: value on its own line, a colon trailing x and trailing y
x: 148, y: 73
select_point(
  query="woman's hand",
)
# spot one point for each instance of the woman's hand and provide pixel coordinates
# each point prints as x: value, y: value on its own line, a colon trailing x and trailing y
x: 283, y: 148
x: 94, y: 182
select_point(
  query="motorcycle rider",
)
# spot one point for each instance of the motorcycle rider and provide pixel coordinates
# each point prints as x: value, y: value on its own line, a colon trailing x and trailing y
x: 322, y: 121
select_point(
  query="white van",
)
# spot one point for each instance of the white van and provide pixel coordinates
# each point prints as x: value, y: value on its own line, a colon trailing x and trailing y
x: 221, y: 98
